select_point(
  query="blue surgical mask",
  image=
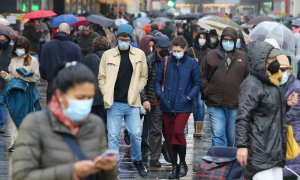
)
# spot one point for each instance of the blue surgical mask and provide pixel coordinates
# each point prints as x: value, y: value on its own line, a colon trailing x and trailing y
x: 238, y: 43
x: 228, y: 45
x: 284, y: 78
x: 123, y: 45
x: 78, y: 110
x: 178, y: 55
x: 20, y: 52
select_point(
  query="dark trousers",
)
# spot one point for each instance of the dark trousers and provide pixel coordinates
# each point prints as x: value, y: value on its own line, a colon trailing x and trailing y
x: 49, y: 91
x: 173, y: 127
x: 101, y: 112
x: 155, y: 129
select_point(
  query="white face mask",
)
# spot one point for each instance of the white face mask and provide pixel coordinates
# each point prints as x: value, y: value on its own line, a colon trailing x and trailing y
x: 202, y: 42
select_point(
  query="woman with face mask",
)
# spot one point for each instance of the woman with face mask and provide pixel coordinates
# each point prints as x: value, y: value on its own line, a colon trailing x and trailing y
x: 23, y: 71
x: 177, y: 84
x: 65, y: 141
x: 198, y: 51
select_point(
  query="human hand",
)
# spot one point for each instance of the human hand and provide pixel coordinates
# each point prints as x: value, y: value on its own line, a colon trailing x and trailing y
x: 106, y: 163
x: 242, y: 156
x: 16, y: 74
x: 147, y: 105
x: 85, y: 168
x: 293, y: 99
x: 3, y: 74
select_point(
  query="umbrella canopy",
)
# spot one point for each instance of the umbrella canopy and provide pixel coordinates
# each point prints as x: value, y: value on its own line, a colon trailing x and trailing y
x: 121, y: 21
x: 65, y: 18
x: 218, y: 22
x: 276, y: 14
x: 3, y: 21
x: 274, y: 30
x: 161, y: 19
x: 81, y: 20
x: 141, y: 14
x: 296, y: 22
x: 9, y: 29
x: 296, y: 30
x: 259, y: 19
x: 142, y: 21
x: 101, y: 20
x: 39, y: 14
x: 187, y: 16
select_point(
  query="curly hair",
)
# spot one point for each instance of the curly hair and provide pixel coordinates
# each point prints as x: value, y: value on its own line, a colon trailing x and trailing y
x: 100, y: 43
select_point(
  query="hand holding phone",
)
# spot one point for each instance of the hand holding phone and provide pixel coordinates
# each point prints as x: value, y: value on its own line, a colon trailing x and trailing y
x: 107, y: 161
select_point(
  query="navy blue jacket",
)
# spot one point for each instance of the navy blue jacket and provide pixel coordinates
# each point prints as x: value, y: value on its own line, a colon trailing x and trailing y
x: 182, y: 82
x: 56, y: 52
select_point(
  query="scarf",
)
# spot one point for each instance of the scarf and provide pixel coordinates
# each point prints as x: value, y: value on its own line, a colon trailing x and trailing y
x: 57, y: 111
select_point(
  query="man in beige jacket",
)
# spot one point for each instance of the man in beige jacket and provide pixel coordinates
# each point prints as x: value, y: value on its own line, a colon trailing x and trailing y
x: 122, y: 76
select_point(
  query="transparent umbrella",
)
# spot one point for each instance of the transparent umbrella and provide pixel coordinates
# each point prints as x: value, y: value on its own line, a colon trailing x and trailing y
x: 274, y: 30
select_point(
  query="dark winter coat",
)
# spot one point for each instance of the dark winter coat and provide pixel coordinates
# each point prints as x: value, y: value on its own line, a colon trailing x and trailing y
x: 56, y: 52
x: 92, y: 61
x: 182, y: 82
x: 5, y: 57
x: 292, y: 117
x: 260, y: 121
x: 168, y: 30
x: 221, y: 83
x: 200, y: 52
x: 153, y: 62
x: 85, y: 42
x: 33, y: 36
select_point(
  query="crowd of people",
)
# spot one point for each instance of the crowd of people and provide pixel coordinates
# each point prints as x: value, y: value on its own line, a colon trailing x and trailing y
x: 153, y: 78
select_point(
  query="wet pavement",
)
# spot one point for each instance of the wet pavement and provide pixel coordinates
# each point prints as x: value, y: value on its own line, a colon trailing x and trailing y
x: 196, y: 147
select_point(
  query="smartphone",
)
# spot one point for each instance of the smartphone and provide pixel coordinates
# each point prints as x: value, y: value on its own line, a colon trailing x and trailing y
x: 109, y: 152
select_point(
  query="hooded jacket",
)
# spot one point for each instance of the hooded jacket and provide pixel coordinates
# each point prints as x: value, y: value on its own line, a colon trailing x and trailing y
x: 200, y: 52
x: 56, y: 52
x: 221, y: 80
x: 260, y: 121
x: 5, y: 57
x: 144, y: 44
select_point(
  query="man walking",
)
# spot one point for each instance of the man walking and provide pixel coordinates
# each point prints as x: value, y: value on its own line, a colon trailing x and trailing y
x: 151, y: 103
x: 57, y: 51
x: 85, y: 38
x: 222, y: 72
x: 123, y: 75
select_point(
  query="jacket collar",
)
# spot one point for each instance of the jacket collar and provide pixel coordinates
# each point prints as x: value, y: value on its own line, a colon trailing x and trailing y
x: 116, y: 51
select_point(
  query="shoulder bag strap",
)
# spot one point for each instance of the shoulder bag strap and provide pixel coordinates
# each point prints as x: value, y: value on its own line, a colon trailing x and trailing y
x: 194, y: 54
x: 165, y: 73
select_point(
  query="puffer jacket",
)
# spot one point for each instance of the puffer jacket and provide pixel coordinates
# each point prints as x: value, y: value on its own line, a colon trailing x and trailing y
x: 148, y: 94
x: 221, y: 83
x: 292, y: 117
x: 182, y: 83
x: 260, y: 125
x: 41, y: 152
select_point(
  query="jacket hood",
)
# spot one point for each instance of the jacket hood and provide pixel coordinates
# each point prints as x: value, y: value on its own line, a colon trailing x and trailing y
x: 62, y: 36
x: 144, y: 44
x: 196, y: 42
x: 5, y: 33
x: 257, y: 53
x: 229, y: 31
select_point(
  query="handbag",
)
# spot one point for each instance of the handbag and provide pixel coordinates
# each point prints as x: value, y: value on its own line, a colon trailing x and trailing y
x: 292, y: 147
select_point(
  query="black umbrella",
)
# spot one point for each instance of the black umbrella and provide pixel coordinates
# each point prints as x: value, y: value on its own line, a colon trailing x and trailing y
x: 259, y: 19
x: 101, y: 20
x: 187, y: 16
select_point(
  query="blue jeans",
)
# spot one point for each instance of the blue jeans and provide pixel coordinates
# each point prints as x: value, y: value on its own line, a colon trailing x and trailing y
x: 2, y: 115
x: 131, y: 115
x: 223, y: 125
x: 198, y: 108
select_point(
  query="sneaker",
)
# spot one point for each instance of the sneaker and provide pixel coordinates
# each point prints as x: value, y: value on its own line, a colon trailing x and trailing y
x: 155, y: 163
x: 126, y: 137
x: 11, y: 148
x: 140, y: 168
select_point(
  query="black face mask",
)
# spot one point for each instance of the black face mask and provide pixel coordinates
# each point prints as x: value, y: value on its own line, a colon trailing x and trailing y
x: 274, y: 67
x: 164, y: 53
x: 4, y: 44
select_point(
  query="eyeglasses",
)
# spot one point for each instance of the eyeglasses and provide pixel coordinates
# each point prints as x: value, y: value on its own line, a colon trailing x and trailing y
x: 125, y: 40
